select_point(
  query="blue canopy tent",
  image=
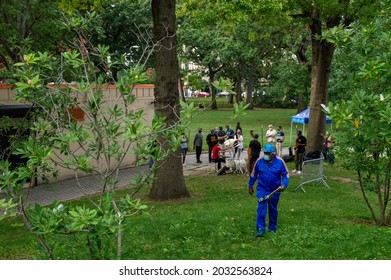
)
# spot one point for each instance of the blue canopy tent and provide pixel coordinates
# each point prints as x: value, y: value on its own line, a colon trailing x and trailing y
x: 303, y: 118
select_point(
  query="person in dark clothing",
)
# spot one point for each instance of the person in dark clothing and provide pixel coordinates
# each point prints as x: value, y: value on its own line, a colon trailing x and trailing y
x: 221, y: 136
x: 198, y: 145
x: 229, y: 131
x: 301, y: 143
x: 238, y: 127
x: 211, y: 140
x: 255, y: 150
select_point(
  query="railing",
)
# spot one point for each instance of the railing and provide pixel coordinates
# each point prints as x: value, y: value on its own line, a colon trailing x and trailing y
x: 313, y: 172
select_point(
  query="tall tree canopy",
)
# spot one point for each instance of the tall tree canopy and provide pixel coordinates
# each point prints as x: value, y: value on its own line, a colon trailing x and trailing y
x: 230, y: 38
x: 27, y: 25
x: 321, y: 17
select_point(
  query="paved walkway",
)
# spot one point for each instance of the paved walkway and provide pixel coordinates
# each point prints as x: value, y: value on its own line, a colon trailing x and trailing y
x: 69, y: 189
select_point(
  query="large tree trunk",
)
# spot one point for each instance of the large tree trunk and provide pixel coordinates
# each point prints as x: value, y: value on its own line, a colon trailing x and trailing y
x: 212, y: 89
x: 238, y: 91
x: 169, y: 182
x: 251, y: 78
x: 322, y: 54
x: 303, y: 60
x: 249, y: 92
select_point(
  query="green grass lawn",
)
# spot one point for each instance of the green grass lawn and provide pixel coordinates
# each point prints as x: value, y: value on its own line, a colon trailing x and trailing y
x: 218, y: 222
x: 256, y: 120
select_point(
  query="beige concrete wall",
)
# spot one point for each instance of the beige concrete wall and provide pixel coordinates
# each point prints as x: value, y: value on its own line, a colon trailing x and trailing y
x: 144, y: 99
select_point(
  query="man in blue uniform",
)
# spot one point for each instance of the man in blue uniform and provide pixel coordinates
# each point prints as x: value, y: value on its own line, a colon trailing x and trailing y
x: 271, y: 173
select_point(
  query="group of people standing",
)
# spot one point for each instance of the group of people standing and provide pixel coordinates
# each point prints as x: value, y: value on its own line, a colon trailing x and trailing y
x: 217, y: 136
x: 276, y: 137
x: 268, y: 171
x: 216, y: 147
x: 197, y: 144
x: 215, y: 139
x: 273, y: 137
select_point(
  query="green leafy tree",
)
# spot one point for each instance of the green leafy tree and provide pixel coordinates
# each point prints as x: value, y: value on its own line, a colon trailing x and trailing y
x: 230, y: 39
x: 202, y: 44
x: 363, y: 122
x: 27, y: 25
x: 323, y: 18
x: 127, y: 31
x: 97, y: 147
x: 289, y: 85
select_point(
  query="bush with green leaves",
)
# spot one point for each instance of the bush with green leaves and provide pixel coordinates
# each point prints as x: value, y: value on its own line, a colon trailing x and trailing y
x: 363, y: 140
x: 97, y: 146
x: 363, y: 135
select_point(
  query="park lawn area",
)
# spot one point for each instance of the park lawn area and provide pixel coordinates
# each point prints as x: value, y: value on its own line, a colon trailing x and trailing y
x: 256, y: 120
x: 222, y: 102
x: 218, y: 223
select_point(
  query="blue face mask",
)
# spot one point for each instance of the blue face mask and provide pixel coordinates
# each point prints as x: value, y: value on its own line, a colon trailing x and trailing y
x: 266, y: 157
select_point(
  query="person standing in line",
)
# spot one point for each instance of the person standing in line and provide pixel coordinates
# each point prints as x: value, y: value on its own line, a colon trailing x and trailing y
x: 272, y: 174
x: 198, y: 138
x: 255, y: 151
x: 211, y: 141
x: 238, y: 127
x: 301, y: 142
x: 229, y: 131
x: 280, y: 140
x: 221, y: 137
x: 184, y: 147
x: 328, y: 142
x: 271, y: 134
x: 239, y: 143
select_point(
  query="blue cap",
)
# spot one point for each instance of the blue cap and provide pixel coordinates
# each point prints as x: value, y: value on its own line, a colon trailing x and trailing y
x: 269, y: 148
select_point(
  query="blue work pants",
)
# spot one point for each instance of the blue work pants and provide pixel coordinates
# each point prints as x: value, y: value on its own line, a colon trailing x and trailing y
x: 263, y: 207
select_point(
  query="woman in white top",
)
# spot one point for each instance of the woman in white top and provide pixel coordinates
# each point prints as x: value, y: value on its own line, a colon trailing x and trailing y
x: 271, y: 134
x: 239, y: 143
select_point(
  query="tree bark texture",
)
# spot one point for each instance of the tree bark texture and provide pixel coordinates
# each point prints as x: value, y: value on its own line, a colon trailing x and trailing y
x: 303, y: 60
x: 169, y: 182
x: 322, y: 54
x: 212, y: 88
x: 238, y: 90
x: 249, y: 95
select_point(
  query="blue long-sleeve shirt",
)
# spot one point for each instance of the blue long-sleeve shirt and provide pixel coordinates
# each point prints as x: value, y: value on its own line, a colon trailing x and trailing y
x: 270, y: 175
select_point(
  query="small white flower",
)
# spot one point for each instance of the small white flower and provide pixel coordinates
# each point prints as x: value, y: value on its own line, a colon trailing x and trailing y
x: 59, y: 209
